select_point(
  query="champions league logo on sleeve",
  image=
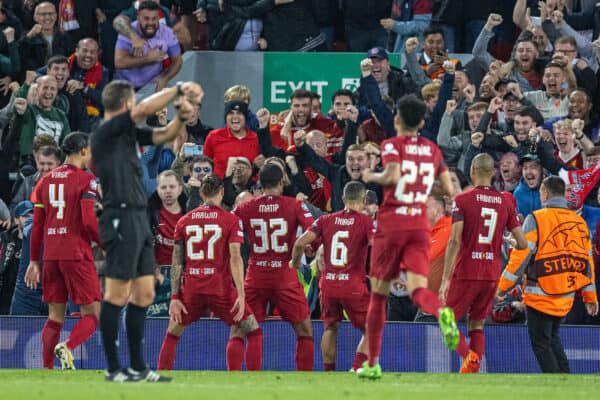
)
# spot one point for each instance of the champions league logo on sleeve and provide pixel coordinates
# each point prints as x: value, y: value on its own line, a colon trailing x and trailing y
x: 389, y: 149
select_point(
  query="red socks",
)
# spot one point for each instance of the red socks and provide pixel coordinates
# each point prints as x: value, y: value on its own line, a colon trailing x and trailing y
x: 359, y: 359
x: 166, y: 358
x: 305, y: 353
x: 375, y: 322
x: 82, y: 331
x: 427, y: 301
x: 50, y: 338
x: 254, y: 350
x: 477, y: 342
x: 235, y: 354
x: 462, y: 349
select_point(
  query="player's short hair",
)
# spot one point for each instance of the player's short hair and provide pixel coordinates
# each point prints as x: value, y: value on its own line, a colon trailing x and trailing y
x: 116, y: 93
x: 354, y: 192
x: 57, y: 60
x: 554, y: 185
x: 50, y: 151
x: 343, y: 92
x: 554, y: 65
x: 478, y: 106
x: 74, y: 142
x: 237, y: 92
x: 483, y: 163
x: 411, y: 111
x: 270, y: 175
x: 148, y: 5
x: 301, y: 94
x: 169, y: 172
x: 430, y: 90
x: 210, y: 185
x: 42, y: 140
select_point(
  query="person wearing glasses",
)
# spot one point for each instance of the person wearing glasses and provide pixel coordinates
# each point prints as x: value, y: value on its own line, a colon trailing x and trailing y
x: 191, y: 170
x: 238, y: 179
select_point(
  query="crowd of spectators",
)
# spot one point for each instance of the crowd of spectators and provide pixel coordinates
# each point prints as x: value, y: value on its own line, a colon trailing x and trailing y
x: 527, y: 99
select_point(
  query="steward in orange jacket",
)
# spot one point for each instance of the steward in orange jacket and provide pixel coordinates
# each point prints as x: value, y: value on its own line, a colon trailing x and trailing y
x: 557, y: 263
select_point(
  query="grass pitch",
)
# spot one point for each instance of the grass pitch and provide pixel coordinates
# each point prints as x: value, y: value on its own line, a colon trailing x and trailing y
x: 90, y: 385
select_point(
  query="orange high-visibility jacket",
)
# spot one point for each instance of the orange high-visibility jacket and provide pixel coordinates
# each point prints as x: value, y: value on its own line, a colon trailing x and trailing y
x: 557, y: 262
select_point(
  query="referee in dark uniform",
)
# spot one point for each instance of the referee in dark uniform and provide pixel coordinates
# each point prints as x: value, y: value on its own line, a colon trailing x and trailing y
x: 123, y: 224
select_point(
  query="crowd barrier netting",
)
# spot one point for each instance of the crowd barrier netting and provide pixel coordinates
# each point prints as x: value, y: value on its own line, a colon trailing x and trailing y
x: 407, y: 347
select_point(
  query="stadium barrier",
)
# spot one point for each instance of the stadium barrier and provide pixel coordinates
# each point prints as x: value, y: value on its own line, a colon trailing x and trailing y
x: 407, y: 347
x: 272, y: 77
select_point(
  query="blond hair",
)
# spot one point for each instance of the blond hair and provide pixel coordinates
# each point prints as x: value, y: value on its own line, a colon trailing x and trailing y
x: 430, y: 90
x: 237, y: 92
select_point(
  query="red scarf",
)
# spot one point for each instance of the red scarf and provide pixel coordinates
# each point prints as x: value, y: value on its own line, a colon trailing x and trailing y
x: 66, y: 16
x: 92, y: 79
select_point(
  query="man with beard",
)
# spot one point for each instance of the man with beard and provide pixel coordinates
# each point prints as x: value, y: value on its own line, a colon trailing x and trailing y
x: 550, y: 102
x: 233, y: 140
x: 300, y: 118
x: 525, y: 55
x: 486, y: 88
x: 70, y: 96
x: 88, y: 75
x: 150, y: 72
x: 43, y: 117
x: 527, y: 193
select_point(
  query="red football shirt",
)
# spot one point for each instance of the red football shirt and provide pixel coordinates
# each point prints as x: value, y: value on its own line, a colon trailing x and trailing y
x: 271, y: 223
x: 206, y: 233
x: 345, y: 235
x: 59, y: 193
x: 163, y: 240
x: 220, y: 144
x: 321, y: 189
x: 486, y: 213
x: 421, y: 161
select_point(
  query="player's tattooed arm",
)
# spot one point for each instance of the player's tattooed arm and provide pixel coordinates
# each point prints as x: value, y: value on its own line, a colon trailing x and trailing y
x: 122, y: 24
x: 178, y: 262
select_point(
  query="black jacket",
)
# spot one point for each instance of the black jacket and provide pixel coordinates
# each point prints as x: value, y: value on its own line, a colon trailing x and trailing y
x: 35, y: 54
x: 365, y: 15
x: 227, y: 26
x: 399, y: 84
x: 293, y: 26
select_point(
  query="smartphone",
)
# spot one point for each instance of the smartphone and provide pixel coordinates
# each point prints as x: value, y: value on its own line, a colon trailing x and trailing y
x: 190, y: 151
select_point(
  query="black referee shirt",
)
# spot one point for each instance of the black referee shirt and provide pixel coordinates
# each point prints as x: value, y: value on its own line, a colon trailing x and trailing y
x: 115, y: 155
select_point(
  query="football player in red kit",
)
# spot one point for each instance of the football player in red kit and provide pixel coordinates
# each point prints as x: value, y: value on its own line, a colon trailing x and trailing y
x: 207, y: 243
x: 402, y: 239
x: 65, y: 221
x: 345, y: 236
x: 271, y: 222
x: 472, y: 265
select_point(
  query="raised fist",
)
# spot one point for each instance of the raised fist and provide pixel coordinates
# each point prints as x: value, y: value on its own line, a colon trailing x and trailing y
x: 411, y: 44
x: 477, y: 138
x: 263, y: 115
x: 365, y: 67
x: 449, y: 67
x: 9, y: 34
x: 493, y: 21
x: 352, y: 113
x: 495, y: 104
x: 450, y: 106
x: 20, y: 105
x: 469, y: 91
x: 577, y: 126
x: 300, y: 137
